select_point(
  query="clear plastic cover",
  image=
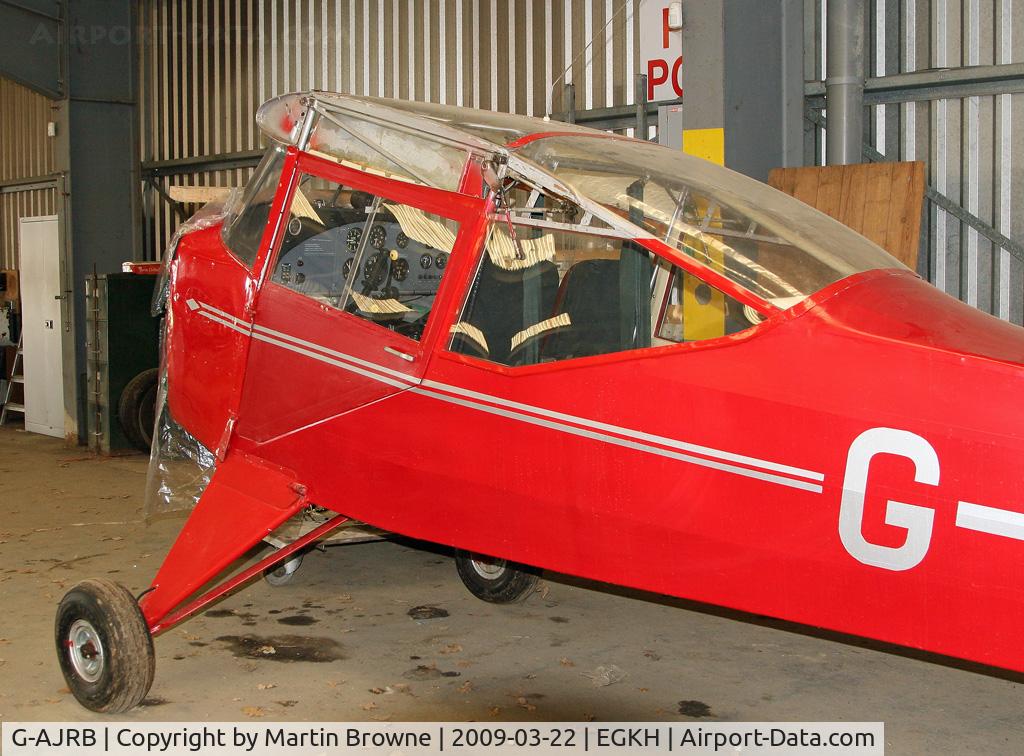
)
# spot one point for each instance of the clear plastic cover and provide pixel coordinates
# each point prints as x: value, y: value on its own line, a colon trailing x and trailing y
x: 498, y: 128
x: 179, y: 466
x: 767, y: 242
x: 369, y: 142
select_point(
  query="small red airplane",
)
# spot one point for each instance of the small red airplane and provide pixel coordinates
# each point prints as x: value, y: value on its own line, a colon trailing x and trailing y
x: 549, y: 346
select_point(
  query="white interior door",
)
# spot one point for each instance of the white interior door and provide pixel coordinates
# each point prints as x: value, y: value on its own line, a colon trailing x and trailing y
x: 40, y: 306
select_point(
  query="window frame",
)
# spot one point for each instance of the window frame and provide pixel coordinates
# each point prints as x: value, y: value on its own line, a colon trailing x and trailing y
x: 667, y: 255
x: 465, y: 210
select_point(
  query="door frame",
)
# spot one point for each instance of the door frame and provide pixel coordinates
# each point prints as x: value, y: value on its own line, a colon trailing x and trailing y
x: 470, y: 212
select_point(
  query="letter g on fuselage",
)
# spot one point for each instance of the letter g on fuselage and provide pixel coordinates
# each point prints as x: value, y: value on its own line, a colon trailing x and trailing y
x: 916, y: 520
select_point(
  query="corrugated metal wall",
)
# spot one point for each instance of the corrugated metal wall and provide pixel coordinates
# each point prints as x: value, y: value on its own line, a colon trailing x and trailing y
x: 973, y: 147
x: 206, y: 65
x: 25, y: 152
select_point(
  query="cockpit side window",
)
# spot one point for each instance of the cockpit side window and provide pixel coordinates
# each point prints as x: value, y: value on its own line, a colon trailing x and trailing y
x: 551, y: 287
x: 373, y: 257
x: 243, y: 228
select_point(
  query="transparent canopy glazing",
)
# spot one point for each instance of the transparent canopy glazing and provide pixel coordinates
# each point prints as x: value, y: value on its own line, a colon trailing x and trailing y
x: 766, y: 241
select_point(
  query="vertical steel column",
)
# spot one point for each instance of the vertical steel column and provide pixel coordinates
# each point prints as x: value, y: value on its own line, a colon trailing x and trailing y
x: 640, y: 97
x: 844, y: 81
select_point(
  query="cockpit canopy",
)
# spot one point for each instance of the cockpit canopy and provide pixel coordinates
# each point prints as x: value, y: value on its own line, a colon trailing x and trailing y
x: 773, y: 246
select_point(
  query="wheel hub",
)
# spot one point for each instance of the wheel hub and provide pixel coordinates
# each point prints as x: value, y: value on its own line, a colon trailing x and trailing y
x: 85, y: 650
x: 288, y: 567
x: 489, y: 569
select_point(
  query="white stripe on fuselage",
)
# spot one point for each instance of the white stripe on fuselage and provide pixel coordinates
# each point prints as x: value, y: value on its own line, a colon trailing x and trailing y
x: 1001, y: 522
x: 771, y: 472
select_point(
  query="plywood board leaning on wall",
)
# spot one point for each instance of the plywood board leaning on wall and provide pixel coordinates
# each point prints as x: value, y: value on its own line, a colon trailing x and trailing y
x: 882, y: 201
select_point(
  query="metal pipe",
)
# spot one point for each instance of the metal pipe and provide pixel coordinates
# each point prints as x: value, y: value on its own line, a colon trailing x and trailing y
x: 844, y: 81
x: 640, y: 97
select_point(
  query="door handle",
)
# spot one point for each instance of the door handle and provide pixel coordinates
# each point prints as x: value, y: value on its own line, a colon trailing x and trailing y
x: 403, y: 355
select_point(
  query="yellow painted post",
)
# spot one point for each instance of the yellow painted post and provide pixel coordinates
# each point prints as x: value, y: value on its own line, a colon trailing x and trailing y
x: 703, y: 306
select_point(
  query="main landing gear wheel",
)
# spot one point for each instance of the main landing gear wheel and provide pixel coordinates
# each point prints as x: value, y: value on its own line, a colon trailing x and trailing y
x: 104, y: 646
x: 283, y: 573
x: 495, y: 580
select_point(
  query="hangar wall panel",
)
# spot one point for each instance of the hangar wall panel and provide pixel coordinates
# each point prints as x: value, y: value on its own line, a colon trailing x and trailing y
x: 206, y: 65
x: 25, y: 152
x: 973, y: 146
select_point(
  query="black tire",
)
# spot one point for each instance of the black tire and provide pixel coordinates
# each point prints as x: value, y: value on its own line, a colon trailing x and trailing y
x: 104, y: 646
x: 495, y: 580
x: 136, y: 408
x: 283, y: 573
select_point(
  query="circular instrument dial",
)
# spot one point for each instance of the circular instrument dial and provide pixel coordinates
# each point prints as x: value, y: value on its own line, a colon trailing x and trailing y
x: 426, y: 261
x: 378, y: 236
x: 441, y: 260
x: 375, y: 269
x: 400, y: 269
x: 352, y: 239
x: 401, y: 240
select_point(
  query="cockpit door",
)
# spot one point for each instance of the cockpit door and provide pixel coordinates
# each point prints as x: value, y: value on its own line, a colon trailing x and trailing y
x: 353, y: 292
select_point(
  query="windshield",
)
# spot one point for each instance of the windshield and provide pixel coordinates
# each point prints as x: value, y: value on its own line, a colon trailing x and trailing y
x: 244, y: 226
x: 767, y: 242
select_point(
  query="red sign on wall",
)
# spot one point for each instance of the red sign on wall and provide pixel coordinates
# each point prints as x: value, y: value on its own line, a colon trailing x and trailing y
x: 661, y: 51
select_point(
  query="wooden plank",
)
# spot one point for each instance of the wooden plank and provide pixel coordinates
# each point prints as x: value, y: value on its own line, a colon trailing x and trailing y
x: 855, y: 183
x: 877, y: 204
x: 199, y: 195
x: 905, y: 224
x: 782, y: 179
x: 830, y: 185
x: 882, y: 201
x: 805, y: 186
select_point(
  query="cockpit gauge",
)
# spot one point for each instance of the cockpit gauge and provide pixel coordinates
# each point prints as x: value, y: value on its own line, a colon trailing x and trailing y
x: 441, y: 260
x: 375, y: 269
x: 352, y: 239
x: 378, y: 236
x: 401, y: 240
x: 400, y: 269
x: 295, y: 226
x: 426, y: 261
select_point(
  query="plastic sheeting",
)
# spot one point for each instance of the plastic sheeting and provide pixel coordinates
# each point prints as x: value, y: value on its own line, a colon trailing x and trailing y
x: 179, y: 466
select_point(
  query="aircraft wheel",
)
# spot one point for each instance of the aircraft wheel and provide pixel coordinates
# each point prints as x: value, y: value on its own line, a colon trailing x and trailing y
x: 495, y: 580
x: 104, y: 646
x: 136, y: 408
x: 283, y: 573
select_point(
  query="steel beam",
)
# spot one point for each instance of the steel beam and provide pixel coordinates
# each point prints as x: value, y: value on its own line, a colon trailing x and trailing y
x: 640, y: 97
x: 618, y: 117
x: 28, y: 184
x: 933, y: 84
x: 201, y: 164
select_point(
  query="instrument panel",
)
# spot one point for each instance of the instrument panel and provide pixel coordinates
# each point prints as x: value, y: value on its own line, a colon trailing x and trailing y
x: 317, y: 260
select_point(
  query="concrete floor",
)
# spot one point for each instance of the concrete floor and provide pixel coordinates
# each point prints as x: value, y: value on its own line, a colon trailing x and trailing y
x: 65, y: 516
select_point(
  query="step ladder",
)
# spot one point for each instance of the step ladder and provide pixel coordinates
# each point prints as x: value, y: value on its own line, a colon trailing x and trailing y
x: 16, y: 377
